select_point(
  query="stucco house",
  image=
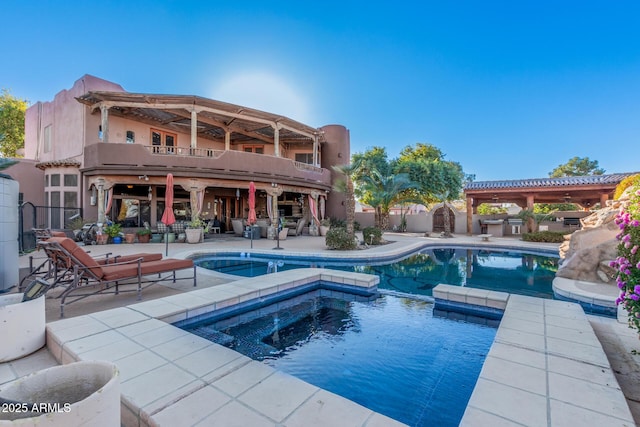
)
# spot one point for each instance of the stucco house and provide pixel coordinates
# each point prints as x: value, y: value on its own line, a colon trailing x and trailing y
x: 108, y: 152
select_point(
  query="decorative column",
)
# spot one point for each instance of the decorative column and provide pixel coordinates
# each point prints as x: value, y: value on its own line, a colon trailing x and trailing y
x: 194, y: 129
x: 275, y: 220
x: 104, y: 115
x: 313, y: 227
x: 101, y: 207
x: 227, y: 140
x: 315, y: 150
x: 276, y: 140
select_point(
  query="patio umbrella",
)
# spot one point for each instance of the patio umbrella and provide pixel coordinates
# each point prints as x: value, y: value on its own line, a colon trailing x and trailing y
x: 252, y: 204
x: 252, y: 209
x: 167, y: 217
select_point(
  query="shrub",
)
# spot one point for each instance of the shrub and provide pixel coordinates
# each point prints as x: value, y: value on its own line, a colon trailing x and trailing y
x: 337, y: 238
x: 143, y: 231
x: 624, y: 184
x: 627, y: 263
x: 544, y: 236
x: 372, y: 235
x: 112, y: 230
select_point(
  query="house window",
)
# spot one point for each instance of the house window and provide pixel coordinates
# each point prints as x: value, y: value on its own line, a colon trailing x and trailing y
x: 70, y: 180
x: 131, y: 137
x: 258, y: 149
x: 304, y: 158
x: 47, y: 139
x: 55, y: 180
x: 161, y: 139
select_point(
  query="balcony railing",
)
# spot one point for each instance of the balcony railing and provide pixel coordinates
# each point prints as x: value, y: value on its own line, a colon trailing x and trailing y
x: 204, y: 162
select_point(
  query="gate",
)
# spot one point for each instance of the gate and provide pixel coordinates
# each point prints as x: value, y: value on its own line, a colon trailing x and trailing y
x: 31, y: 216
x: 438, y: 220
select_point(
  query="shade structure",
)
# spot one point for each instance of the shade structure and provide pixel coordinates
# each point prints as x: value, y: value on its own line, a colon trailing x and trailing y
x: 168, y: 218
x: 252, y: 204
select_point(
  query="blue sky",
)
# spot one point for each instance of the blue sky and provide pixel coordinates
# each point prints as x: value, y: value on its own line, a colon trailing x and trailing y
x: 510, y: 89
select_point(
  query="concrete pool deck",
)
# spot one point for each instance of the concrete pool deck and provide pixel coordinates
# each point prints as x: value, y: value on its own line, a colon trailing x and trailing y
x: 616, y: 339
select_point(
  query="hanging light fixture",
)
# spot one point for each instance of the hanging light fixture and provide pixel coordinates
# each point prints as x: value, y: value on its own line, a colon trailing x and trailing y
x: 149, y: 194
x: 237, y: 194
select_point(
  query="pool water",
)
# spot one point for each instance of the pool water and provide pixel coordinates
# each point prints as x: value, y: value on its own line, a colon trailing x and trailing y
x: 507, y: 271
x: 390, y: 354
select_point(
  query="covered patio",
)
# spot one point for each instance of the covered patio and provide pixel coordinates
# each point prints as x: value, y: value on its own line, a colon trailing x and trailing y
x: 585, y: 191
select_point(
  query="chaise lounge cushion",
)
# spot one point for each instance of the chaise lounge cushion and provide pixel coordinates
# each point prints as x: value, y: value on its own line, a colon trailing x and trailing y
x: 128, y: 271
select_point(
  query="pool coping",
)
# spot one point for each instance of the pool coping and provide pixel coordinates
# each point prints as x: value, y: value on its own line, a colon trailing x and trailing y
x: 172, y: 377
x: 546, y: 366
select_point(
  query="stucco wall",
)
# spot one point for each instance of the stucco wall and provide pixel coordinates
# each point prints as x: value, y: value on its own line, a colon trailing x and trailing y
x: 335, y: 151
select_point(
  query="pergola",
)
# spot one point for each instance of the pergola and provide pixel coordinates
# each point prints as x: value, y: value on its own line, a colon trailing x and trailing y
x: 206, y: 118
x: 585, y: 191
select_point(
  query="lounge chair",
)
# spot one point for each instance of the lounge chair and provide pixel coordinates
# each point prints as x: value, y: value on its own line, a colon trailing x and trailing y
x: 81, y: 271
x: 53, y: 269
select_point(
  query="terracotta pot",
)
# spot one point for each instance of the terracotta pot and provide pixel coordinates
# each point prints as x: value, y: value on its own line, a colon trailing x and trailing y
x: 102, y: 239
x: 129, y: 237
x: 144, y: 238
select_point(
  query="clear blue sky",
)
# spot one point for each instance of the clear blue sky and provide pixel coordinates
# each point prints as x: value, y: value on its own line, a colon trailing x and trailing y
x: 509, y: 89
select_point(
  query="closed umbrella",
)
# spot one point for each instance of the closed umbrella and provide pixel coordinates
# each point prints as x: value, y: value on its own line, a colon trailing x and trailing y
x: 167, y: 217
x: 252, y: 204
x: 252, y: 208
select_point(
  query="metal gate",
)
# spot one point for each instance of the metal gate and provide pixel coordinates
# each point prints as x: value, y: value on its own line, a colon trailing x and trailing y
x: 31, y: 216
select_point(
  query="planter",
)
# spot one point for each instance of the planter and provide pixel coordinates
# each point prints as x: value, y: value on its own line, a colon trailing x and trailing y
x: 77, y: 394
x: 117, y: 240
x: 144, y: 238
x: 22, y: 326
x: 156, y: 238
x: 102, y: 239
x: 129, y: 237
x: 324, y: 229
x: 194, y: 235
x: 171, y: 237
x: 238, y: 228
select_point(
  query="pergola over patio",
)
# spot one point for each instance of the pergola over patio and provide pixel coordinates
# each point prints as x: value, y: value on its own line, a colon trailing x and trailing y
x: 585, y: 191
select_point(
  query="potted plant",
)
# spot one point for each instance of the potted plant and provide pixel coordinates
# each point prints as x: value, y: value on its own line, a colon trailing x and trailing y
x: 195, y: 230
x: 113, y: 231
x: 144, y: 235
x: 325, y: 225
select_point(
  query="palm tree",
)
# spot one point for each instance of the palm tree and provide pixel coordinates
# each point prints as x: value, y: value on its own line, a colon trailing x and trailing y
x: 384, y: 192
x: 345, y: 186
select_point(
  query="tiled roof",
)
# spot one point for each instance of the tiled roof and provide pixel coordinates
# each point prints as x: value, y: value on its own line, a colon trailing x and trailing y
x: 58, y: 163
x: 549, y: 182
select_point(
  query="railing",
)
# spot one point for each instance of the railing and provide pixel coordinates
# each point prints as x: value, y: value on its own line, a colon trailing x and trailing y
x: 184, y: 151
x: 31, y: 216
x: 203, y: 162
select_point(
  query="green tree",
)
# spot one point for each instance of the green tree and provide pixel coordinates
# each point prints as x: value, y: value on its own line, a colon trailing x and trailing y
x: 12, y: 111
x: 383, y: 192
x: 435, y: 179
x: 577, y: 166
x: 345, y: 185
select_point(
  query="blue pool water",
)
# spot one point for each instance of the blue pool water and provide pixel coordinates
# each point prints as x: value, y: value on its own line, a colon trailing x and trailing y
x: 390, y: 354
x: 508, y: 271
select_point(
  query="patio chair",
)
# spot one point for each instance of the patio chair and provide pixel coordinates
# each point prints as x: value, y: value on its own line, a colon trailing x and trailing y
x: 81, y: 271
x: 52, y: 268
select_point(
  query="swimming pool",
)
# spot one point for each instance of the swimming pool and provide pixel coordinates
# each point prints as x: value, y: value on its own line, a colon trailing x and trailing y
x: 513, y: 271
x: 391, y: 354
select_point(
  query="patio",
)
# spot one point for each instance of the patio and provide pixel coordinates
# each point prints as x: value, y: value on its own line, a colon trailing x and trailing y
x: 616, y: 339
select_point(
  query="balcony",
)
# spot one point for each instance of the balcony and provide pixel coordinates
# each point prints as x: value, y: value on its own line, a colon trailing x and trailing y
x: 136, y: 159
